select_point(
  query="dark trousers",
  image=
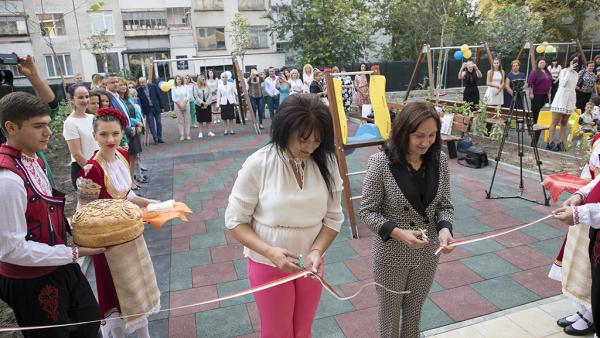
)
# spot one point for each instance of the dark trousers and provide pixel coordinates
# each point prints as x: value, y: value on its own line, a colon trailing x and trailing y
x: 273, y: 105
x: 582, y: 99
x: 259, y: 108
x: 75, y: 168
x: 61, y: 297
x: 154, y: 123
x: 537, y: 102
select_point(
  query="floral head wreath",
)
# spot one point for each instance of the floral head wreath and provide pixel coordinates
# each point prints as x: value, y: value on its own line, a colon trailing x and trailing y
x: 114, y: 113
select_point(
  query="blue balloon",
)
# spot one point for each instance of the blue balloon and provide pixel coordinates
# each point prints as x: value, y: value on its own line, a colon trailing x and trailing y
x: 160, y: 82
x: 458, y: 55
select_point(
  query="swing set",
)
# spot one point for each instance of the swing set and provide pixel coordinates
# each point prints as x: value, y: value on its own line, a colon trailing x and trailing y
x: 225, y: 61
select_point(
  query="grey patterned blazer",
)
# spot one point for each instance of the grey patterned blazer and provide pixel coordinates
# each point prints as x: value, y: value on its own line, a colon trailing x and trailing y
x: 391, y: 199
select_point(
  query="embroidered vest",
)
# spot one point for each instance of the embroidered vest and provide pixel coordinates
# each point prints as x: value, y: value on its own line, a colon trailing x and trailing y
x: 46, y: 222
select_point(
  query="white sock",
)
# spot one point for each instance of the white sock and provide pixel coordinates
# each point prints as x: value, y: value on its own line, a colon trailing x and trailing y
x: 114, y: 328
x: 580, y: 324
x: 574, y: 317
x: 588, y: 315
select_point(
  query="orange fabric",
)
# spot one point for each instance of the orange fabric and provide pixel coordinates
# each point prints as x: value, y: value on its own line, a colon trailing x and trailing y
x: 157, y: 219
x: 557, y: 183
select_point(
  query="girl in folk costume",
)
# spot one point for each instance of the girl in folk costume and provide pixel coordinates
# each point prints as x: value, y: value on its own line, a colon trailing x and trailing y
x: 106, y: 176
x: 571, y: 264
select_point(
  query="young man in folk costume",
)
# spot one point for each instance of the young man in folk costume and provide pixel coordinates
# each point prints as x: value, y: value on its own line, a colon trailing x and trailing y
x: 39, y: 277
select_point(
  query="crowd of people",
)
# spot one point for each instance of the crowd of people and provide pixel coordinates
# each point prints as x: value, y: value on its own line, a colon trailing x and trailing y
x: 563, y: 90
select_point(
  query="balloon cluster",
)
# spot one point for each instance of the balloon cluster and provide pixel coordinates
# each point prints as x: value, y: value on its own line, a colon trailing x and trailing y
x: 165, y: 86
x: 545, y: 48
x: 463, y: 53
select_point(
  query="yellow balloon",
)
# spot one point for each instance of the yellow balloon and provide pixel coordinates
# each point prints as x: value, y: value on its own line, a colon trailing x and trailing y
x: 464, y: 48
x: 540, y: 49
x: 165, y: 87
x: 171, y: 82
x: 467, y: 53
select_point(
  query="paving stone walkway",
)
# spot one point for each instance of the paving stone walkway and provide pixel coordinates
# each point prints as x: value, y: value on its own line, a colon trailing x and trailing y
x: 198, y: 260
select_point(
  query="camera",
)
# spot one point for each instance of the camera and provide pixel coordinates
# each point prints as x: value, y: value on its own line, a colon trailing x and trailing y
x: 517, y: 85
x: 9, y: 59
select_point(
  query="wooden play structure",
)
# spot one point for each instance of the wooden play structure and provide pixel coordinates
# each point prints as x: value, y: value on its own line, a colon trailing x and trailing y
x: 368, y: 134
x: 238, y: 75
x: 433, y: 82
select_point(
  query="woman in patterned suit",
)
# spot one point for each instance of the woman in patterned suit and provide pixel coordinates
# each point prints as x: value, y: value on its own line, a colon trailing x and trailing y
x: 406, y: 202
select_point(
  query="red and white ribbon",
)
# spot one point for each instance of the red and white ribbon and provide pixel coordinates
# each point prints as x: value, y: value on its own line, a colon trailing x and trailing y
x: 482, y: 238
x: 289, y: 278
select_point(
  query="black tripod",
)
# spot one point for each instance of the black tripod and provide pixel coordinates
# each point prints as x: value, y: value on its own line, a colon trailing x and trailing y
x: 523, y: 120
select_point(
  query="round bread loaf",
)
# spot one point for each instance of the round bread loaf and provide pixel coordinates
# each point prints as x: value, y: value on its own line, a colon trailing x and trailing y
x: 107, y: 222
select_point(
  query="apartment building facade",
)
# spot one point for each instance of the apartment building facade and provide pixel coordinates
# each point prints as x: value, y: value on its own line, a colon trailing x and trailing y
x: 139, y: 32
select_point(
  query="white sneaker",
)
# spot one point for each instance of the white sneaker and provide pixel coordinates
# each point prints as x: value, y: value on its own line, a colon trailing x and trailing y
x: 200, y: 135
x: 211, y: 134
x: 181, y: 138
x: 188, y: 137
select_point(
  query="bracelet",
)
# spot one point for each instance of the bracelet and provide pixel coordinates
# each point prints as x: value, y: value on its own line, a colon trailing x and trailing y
x: 315, y: 249
x: 74, y: 253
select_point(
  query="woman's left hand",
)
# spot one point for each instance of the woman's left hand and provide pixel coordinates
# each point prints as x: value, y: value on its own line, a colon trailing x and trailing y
x: 314, y: 261
x: 445, y: 237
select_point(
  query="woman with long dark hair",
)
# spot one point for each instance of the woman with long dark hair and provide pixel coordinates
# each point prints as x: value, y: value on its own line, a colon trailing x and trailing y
x: 540, y: 85
x: 406, y: 203
x: 285, y: 208
x: 554, y: 68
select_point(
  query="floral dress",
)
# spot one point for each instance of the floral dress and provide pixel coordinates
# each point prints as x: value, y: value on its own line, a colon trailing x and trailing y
x: 362, y: 90
x: 347, y: 93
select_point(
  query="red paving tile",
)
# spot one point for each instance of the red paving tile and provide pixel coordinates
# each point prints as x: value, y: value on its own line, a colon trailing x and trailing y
x: 362, y: 267
x: 229, y: 252
x: 524, y: 257
x: 182, y: 326
x: 188, y: 229
x: 498, y: 220
x: 253, y: 314
x: 537, y: 280
x: 476, y: 195
x: 487, y: 205
x: 454, y: 274
x: 363, y: 230
x: 215, y: 203
x: 514, y: 239
x: 192, y: 296
x: 456, y: 254
x: 359, y: 324
x: 366, y: 299
x: 180, y: 244
x: 362, y: 246
x: 213, y: 274
x: 462, y: 303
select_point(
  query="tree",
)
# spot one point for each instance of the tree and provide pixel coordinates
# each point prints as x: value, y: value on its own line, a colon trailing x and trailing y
x: 509, y: 27
x: 325, y: 32
x: 240, y: 32
x: 99, y: 44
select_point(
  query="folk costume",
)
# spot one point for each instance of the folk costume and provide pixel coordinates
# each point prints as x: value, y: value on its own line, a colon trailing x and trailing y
x: 396, y: 196
x: 125, y: 276
x: 39, y: 277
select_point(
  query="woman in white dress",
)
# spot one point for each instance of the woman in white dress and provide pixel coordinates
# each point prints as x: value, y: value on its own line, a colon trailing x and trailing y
x: 212, y: 83
x: 307, y: 77
x: 296, y: 85
x: 495, y: 79
x: 563, y: 104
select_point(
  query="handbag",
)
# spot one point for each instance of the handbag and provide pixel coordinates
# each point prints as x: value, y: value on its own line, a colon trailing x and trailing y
x: 474, y: 158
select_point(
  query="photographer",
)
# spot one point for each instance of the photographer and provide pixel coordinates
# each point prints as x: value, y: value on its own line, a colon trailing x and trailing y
x: 27, y: 68
x: 256, y: 95
x: 469, y: 74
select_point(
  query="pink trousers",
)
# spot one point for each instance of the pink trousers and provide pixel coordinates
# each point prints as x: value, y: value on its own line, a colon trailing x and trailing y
x: 287, y: 310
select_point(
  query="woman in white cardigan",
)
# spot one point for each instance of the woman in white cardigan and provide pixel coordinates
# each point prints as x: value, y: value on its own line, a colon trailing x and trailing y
x: 179, y: 94
x: 227, y: 99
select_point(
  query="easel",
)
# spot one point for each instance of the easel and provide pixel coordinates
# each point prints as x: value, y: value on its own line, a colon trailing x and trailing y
x: 336, y: 108
x: 426, y: 50
x: 239, y: 76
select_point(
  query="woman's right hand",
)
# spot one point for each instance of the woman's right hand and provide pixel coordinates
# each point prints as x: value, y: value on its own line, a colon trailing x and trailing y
x: 409, y: 237
x: 281, y: 258
x: 572, y: 201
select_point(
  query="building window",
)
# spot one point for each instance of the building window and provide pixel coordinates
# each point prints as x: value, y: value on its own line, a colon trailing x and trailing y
x: 133, y: 21
x: 102, y: 21
x: 178, y: 17
x: 112, y: 63
x: 251, y: 5
x: 258, y: 37
x: 211, y: 38
x: 52, y: 24
x: 209, y: 5
x: 13, y: 25
x: 61, y: 60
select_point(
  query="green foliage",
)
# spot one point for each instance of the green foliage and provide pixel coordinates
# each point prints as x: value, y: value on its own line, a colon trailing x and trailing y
x: 325, y: 32
x: 56, y: 126
x: 478, y: 124
x: 510, y: 26
x: 240, y: 32
x: 497, y: 128
x: 96, y: 7
x: 99, y: 43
